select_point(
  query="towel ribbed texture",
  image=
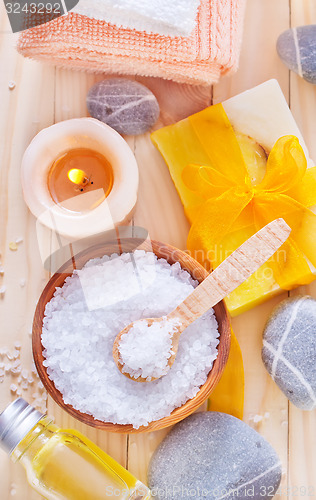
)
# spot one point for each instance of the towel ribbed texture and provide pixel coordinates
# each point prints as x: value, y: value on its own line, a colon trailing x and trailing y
x: 170, y: 18
x: 76, y: 41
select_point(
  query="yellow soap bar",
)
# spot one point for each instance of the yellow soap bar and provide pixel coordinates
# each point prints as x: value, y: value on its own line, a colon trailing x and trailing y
x: 228, y: 395
x: 263, y: 115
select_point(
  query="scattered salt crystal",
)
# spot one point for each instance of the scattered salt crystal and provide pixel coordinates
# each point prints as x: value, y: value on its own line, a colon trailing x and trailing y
x: 257, y: 418
x: 125, y: 289
x: 16, y: 371
x: 13, y: 388
x: 1, y: 270
x: 3, y: 289
x: 19, y: 240
x: 13, y: 491
x: 11, y: 85
x: 16, y: 354
x: 9, y: 356
x: 145, y: 350
x: 16, y: 364
x: 25, y: 374
x: 22, y: 282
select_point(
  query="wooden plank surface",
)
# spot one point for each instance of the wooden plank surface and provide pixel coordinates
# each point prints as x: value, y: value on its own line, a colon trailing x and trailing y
x: 44, y: 95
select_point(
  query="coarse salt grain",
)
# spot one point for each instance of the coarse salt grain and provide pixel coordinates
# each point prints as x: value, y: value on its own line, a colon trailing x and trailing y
x: 78, y: 341
x: 145, y: 350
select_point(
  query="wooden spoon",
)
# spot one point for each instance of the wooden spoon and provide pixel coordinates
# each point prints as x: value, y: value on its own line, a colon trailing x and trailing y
x: 231, y: 273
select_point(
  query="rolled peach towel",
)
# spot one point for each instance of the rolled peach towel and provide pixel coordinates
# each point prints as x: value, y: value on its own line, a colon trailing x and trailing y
x: 78, y: 42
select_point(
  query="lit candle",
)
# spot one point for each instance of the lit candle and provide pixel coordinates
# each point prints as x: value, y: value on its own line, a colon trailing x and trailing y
x: 77, y: 172
x: 80, y: 178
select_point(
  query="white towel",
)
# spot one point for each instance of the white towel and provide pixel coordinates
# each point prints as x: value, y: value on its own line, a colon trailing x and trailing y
x: 166, y: 17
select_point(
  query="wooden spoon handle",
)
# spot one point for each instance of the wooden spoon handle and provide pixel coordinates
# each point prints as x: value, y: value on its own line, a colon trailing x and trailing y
x: 233, y: 271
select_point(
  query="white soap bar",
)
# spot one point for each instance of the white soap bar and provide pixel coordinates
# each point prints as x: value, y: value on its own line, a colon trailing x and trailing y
x: 263, y: 113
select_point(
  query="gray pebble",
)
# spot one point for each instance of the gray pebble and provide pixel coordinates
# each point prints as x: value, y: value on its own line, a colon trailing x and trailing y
x: 289, y: 350
x: 214, y: 455
x: 297, y: 49
x: 125, y: 105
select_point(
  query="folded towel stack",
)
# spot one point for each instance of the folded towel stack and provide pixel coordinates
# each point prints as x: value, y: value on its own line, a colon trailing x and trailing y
x: 76, y: 41
x: 170, y: 18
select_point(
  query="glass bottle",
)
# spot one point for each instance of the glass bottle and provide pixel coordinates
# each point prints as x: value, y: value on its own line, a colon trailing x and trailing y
x: 63, y: 464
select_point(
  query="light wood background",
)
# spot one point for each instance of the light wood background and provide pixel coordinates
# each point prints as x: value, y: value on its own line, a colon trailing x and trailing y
x: 44, y: 95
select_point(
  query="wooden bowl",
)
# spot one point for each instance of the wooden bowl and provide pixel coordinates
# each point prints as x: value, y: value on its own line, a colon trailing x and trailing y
x: 172, y: 255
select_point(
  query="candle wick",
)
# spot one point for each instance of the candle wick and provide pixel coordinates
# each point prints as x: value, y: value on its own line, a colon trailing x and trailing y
x: 78, y: 177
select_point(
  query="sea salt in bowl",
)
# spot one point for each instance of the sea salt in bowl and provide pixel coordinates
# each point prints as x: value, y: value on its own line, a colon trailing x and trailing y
x: 172, y: 256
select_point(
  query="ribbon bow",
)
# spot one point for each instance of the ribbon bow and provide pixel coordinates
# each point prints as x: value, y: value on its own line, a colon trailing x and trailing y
x: 233, y: 209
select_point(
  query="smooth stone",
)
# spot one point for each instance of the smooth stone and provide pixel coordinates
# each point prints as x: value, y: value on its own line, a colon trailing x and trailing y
x: 214, y: 455
x: 289, y: 350
x: 125, y: 105
x: 297, y: 49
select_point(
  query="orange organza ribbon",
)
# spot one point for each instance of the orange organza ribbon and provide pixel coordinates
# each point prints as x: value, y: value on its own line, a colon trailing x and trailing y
x: 231, y: 203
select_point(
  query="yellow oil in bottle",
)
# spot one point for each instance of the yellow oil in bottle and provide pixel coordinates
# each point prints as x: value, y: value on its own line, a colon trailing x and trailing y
x: 93, y: 174
x: 64, y: 464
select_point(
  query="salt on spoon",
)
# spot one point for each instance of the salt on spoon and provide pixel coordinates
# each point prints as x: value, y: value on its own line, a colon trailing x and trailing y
x: 144, y: 358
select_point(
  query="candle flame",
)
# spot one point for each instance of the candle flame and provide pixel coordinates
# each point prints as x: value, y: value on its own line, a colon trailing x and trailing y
x: 77, y: 176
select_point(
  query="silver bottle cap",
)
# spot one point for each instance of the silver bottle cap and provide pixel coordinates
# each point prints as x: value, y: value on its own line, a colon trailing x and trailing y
x: 16, y: 421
